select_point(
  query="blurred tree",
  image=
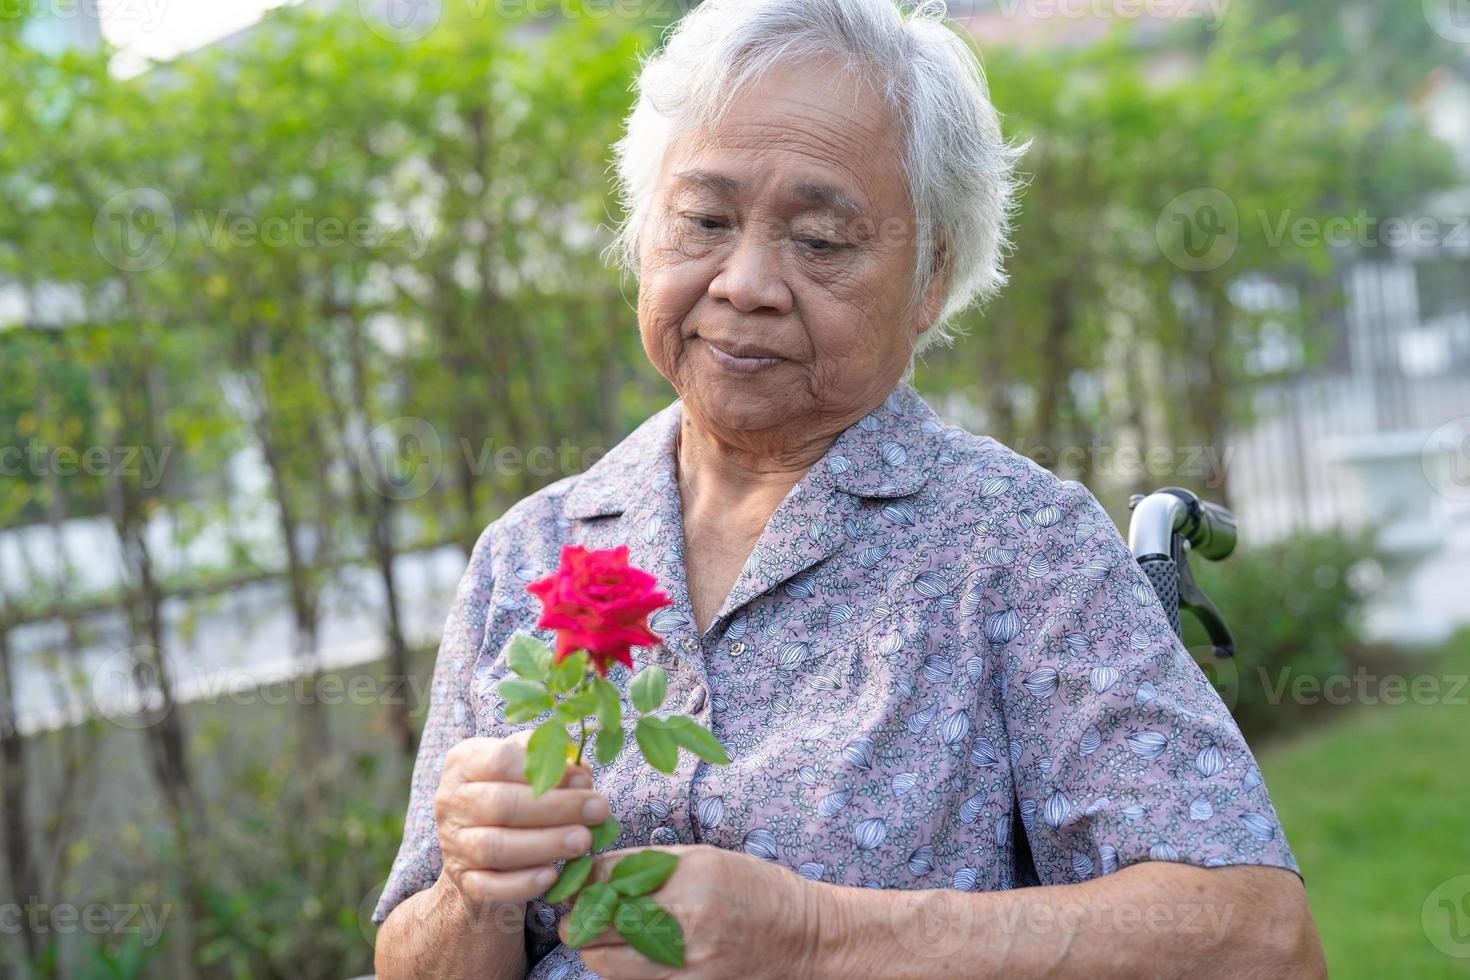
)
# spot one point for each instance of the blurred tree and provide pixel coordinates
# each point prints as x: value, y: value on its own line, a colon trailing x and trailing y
x: 1152, y: 195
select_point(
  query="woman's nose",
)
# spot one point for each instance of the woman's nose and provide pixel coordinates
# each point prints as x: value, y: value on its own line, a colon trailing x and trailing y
x: 751, y: 279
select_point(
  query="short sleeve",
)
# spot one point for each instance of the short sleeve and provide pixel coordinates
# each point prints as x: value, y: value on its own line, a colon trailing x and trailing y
x: 1122, y: 750
x: 450, y: 720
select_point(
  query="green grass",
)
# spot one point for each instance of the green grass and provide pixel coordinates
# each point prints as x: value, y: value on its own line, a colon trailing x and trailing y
x: 1377, y: 810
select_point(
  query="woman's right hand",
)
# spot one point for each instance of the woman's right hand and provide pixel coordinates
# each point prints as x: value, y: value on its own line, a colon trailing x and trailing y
x: 497, y: 842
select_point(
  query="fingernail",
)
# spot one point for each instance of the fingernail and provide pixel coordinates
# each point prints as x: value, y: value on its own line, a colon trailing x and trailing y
x: 594, y: 809
x: 577, y: 839
x: 544, y: 878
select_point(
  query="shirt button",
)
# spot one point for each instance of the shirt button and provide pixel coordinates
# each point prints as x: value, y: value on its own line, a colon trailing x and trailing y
x: 663, y: 837
x: 737, y: 648
x: 696, y: 702
x: 690, y: 645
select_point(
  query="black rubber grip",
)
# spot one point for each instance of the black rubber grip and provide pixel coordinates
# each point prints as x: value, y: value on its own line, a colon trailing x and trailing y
x: 1164, y: 577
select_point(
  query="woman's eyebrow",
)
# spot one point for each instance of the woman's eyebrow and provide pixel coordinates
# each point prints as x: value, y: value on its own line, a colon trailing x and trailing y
x: 825, y: 195
x: 707, y: 178
x: 811, y: 192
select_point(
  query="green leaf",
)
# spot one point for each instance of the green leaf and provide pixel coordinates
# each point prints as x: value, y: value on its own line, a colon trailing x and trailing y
x: 522, y: 712
x: 524, y: 700
x: 605, y: 833
x: 568, y: 715
x: 516, y: 691
x: 609, y: 743
x: 582, y: 700
x: 572, y: 877
x: 656, y: 744
x: 528, y: 657
x: 609, y: 703
x: 642, y: 871
x: 696, y: 738
x: 648, y: 688
x: 650, y: 930
x: 565, y: 675
x: 592, y: 914
x: 546, y: 756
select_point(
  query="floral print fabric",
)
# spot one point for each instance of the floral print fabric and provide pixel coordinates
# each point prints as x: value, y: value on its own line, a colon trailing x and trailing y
x: 939, y: 668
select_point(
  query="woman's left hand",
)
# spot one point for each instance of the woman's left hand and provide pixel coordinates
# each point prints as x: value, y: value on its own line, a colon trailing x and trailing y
x: 741, y: 917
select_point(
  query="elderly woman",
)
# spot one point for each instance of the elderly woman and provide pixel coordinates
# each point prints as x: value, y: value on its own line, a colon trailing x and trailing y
x: 937, y: 670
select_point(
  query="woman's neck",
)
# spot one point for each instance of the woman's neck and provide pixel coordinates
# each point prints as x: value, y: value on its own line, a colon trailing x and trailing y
x: 763, y: 468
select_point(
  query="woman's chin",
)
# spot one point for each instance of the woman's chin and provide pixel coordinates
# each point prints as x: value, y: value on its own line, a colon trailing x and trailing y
x: 745, y: 404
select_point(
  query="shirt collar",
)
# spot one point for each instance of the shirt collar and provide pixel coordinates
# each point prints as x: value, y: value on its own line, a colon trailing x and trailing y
x: 887, y: 453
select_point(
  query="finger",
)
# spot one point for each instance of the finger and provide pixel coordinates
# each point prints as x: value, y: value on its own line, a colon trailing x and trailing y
x: 602, y: 867
x: 512, y: 805
x: 522, y: 885
x: 509, y: 848
x: 623, y: 963
x: 608, y: 936
x: 491, y: 759
x: 486, y: 759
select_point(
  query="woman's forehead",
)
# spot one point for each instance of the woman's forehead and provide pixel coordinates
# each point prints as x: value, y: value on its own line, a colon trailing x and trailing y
x: 824, y: 193
x: 806, y: 172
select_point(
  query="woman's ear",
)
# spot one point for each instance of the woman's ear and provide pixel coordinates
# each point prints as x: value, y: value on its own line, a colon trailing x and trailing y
x: 932, y: 301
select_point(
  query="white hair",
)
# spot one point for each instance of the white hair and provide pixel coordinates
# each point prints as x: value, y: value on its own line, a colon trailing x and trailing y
x: 959, y: 169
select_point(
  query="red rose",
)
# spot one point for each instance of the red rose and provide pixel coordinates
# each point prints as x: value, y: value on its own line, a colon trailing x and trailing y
x: 597, y: 602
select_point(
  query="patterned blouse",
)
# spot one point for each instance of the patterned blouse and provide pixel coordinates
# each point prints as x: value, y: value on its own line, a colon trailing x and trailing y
x: 939, y: 668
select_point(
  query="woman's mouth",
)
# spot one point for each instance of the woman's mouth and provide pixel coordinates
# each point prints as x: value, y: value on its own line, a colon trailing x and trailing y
x: 738, y: 363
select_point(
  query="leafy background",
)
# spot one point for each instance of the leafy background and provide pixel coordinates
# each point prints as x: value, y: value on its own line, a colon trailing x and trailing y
x: 264, y: 826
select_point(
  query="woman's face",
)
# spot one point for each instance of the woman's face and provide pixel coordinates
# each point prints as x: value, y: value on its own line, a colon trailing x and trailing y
x: 777, y: 258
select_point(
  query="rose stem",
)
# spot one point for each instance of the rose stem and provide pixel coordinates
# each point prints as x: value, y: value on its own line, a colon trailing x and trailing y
x: 582, y: 741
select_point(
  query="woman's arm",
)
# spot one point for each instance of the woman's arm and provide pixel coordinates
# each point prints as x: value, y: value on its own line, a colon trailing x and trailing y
x: 1155, y: 919
x: 434, y: 933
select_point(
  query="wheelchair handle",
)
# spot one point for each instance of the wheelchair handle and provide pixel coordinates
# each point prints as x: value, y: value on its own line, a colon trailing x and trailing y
x: 1166, y: 525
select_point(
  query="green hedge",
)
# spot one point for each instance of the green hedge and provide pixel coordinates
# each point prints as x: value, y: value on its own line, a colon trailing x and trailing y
x: 1295, y: 613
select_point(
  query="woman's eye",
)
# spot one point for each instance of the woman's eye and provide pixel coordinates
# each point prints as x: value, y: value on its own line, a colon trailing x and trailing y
x: 705, y: 223
x: 820, y: 246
